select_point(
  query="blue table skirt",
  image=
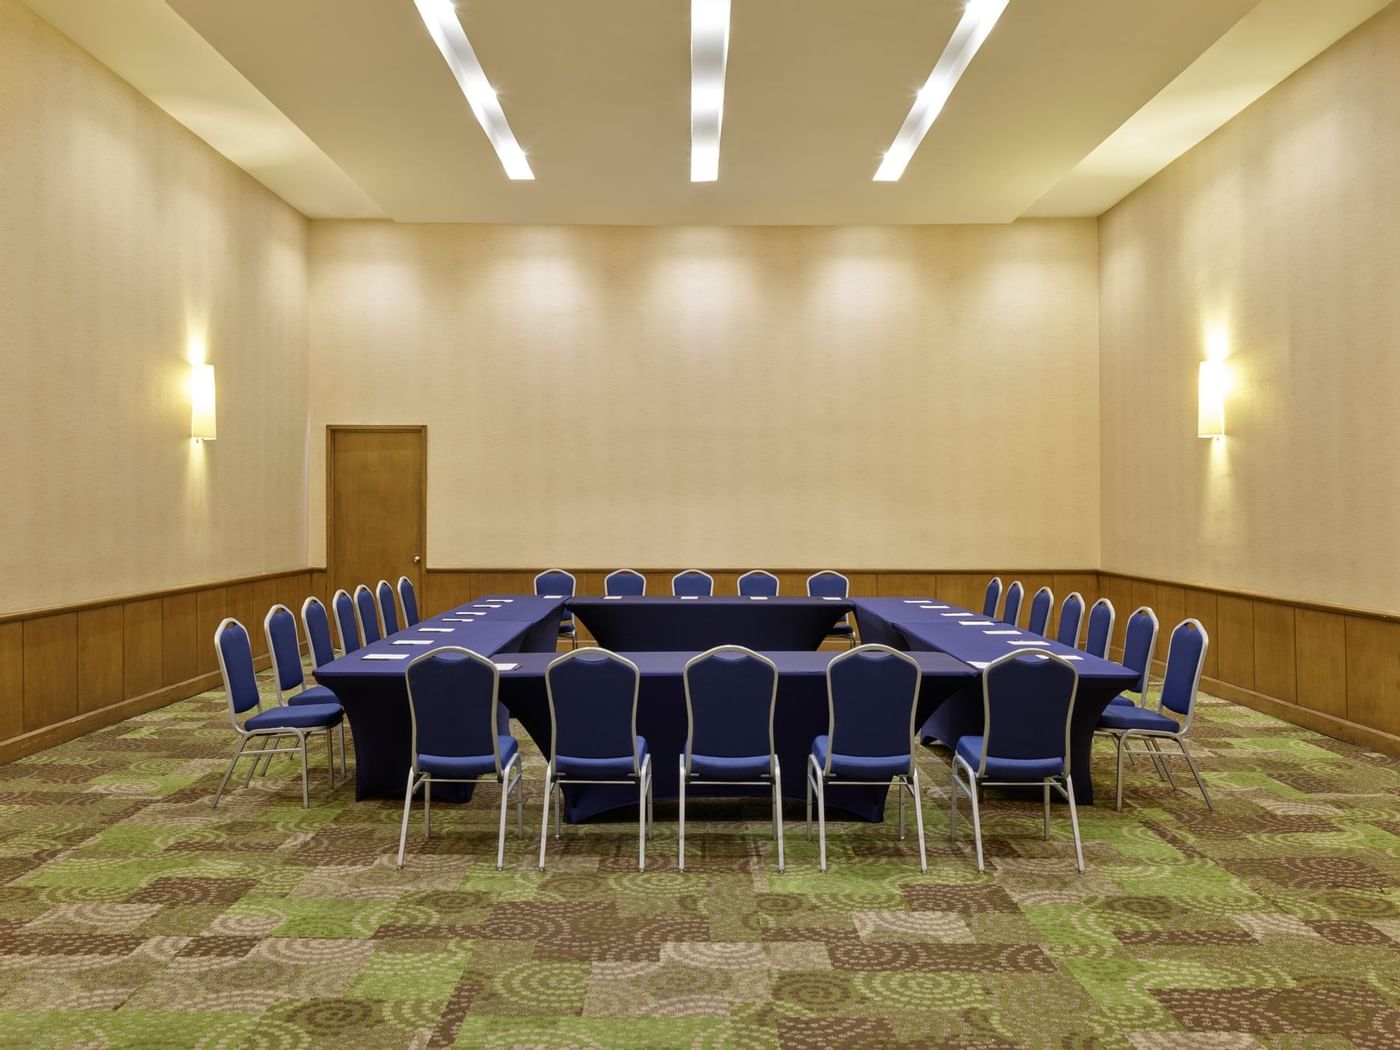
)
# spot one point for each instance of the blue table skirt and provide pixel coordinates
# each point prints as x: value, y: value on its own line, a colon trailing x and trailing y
x: 802, y: 715
x: 665, y: 624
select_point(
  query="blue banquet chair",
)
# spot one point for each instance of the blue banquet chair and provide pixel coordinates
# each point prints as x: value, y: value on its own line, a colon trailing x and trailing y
x: 1027, y: 706
x: 1011, y: 612
x: 347, y: 622
x: 624, y: 582
x: 1071, y: 619
x: 593, y: 734
x: 692, y: 583
x: 453, y: 703
x: 368, y: 614
x: 758, y: 583
x: 872, y: 696
x: 1041, y: 606
x: 235, y: 655
x: 831, y: 584
x: 557, y: 582
x: 408, y: 599
x: 288, y: 675
x: 992, y: 598
x: 1186, y: 656
x: 1100, y: 632
x: 731, y: 694
x: 317, y: 624
x: 1139, y: 640
x: 388, y: 607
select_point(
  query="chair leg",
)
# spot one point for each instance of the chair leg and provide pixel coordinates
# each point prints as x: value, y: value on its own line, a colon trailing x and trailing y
x: 305, y: 787
x: 266, y: 764
x: 899, y: 790
x: 330, y: 755
x: 344, y: 769
x: 558, y: 811
x: 919, y: 822
x: 680, y: 833
x: 778, y: 811
x: 821, y: 821
x: 1047, y: 810
x: 977, y: 827
x: 1074, y: 823
x: 953, y: 810
x: 427, y: 807
x: 505, y: 812
x: 1118, y: 742
x: 1164, y: 769
x: 544, y: 824
x: 1191, y: 761
x: 253, y: 766
x: 242, y: 743
x: 642, y: 821
x: 520, y: 799
x: 403, y: 828
x: 808, y: 832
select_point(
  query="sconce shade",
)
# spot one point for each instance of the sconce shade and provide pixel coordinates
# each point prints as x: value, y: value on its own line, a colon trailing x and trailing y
x: 1210, y: 410
x: 203, y: 424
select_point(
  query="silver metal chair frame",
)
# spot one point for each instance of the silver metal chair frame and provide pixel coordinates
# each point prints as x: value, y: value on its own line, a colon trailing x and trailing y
x: 1108, y: 635
x: 625, y: 572
x: 345, y: 647
x: 276, y: 680
x: 403, y: 609
x: 573, y: 590
x: 1049, y: 612
x: 846, y: 584
x: 359, y: 620
x: 996, y: 602
x: 739, y: 584
x: 1073, y: 596
x: 693, y: 572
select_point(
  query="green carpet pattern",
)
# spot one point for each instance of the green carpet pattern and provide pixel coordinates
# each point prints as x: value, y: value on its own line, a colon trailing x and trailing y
x: 133, y: 915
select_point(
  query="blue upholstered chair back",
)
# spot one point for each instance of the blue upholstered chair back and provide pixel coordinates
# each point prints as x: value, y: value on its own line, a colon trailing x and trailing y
x: 235, y: 654
x: 692, y: 583
x: 345, y: 621
x: 367, y: 613
x: 624, y: 581
x: 282, y: 643
x: 757, y: 583
x: 1071, y: 619
x: 593, y: 705
x: 730, y: 693
x: 827, y: 584
x: 1100, y: 628
x: 872, y: 691
x: 992, y: 598
x: 387, y: 607
x: 1139, y: 640
x: 452, y: 697
x: 1012, y: 612
x: 1186, y: 657
x: 557, y: 581
x: 409, y: 600
x: 318, y: 631
x: 1041, y: 606
x: 1027, y: 702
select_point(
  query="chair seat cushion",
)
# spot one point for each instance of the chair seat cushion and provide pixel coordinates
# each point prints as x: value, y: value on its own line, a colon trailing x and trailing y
x: 610, y: 768
x: 304, y: 716
x: 467, y: 767
x: 725, y: 767
x: 316, y: 694
x: 842, y: 628
x: 860, y: 767
x: 1137, y: 718
x: 567, y: 628
x: 1122, y: 700
x: 1016, y: 769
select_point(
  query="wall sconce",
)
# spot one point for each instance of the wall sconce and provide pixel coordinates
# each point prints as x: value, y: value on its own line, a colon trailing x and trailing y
x: 203, y: 425
x: 1210, y: 407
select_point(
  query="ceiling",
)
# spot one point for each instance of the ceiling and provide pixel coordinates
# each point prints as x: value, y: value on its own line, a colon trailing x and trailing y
x: 346, y: 109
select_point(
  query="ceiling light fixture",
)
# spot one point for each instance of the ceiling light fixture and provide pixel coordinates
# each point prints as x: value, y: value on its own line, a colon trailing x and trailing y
x: 976, y: 24
x: 709, y: 51
x: 440, y: 18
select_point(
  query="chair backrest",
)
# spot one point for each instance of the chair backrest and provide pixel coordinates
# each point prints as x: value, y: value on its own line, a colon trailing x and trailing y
x: 346, y: 622
x: 367, y: 614
x: 235, y: 655
x: 1100, y: 631
x: 388, y: 607
x: 758, y: 583
x: 593, y: 705
x: 1012, y: 612
x: 828, y: 584
x: 1027, y: 706
x: 1186, y: 657
x: 1139, y: 640
x: 409, y: 600
x: 872, y: 692
x: 318, y: 631
x: 282, y: 642
x: 992, y: 598
x: 1041, y: 605
x: 556, y: 581
x: 452, y: 702
x: 735, y: 692
x: 624, y: 581
x: 1071, y: 619
x: 690, y: 583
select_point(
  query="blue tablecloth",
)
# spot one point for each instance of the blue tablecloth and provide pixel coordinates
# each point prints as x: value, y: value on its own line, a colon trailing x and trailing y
x: 375, y: 697
x: 666, y: 624
x: 961, y: 633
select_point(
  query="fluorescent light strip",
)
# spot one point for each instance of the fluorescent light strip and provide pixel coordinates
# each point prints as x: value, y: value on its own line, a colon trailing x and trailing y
x: 709, y: 51
x: 440, y: 17
x: 976, y: 24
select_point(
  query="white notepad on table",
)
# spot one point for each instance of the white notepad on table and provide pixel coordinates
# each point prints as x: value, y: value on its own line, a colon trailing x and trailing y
x: 690, y: 597
x: 412, y: 641
x: 502, y: 599
x: 456, y: 619
x: 1007, y: 631
x: 956, y: 614
x: 933, y: 607
x: 437, y: 630
x: 975, y: 623
x: 555, y: 597
x: 831, y: 598
x: 506, y: 667
x: 1029, y: 641
x: 385, y: 656
x: 758, y: 597
x: 915, y: 601
x: 613, y: 597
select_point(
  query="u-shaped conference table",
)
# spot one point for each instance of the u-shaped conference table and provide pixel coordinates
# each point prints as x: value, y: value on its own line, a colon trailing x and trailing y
x: 659, y: 634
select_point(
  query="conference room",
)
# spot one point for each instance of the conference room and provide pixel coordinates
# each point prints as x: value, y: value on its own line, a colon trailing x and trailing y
x: 700, y: 523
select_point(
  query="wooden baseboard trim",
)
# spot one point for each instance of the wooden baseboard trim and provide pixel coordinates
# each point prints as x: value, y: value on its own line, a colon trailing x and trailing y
x: 1319, y: 721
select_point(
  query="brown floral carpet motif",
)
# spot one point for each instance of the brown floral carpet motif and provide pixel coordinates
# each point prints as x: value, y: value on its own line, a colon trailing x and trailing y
x: 134, y: 915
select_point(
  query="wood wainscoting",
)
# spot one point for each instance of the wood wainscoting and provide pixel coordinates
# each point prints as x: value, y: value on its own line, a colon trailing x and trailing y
x: 67, y: 671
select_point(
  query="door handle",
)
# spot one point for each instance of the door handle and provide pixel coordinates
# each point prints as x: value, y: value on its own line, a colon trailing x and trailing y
x: 416, y: 559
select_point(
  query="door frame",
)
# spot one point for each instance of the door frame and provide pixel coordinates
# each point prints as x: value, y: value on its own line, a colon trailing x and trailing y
x: 331, y: 430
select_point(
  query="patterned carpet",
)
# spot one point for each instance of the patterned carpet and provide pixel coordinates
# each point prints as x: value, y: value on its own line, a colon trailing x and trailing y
x: 131, y: 915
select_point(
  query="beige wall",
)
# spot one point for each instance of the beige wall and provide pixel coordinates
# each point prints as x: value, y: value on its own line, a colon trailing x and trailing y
x: 719, y: 396
x: 122, y: 239
x: 1283, y: 232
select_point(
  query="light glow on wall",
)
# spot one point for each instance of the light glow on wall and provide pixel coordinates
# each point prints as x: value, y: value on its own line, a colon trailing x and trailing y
x: 203, y: 422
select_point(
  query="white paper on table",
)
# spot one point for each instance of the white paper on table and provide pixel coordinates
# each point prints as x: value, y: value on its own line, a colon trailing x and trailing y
x: 1028, y: 641
x: 437, y: 630
x: 957, y: 614
x: 915, y: 601
x: 831, y: 598
x: 554, y: 596
x: 1042, y: 656
x: 613, y: 597
x: 758, y: 597
x: 501, y: 599
x: 412, y: 641
x: 485, y: 608
x: 385, y: 656
x: 1007, y: 631
x: 690, y: 597
x: 934, y: 607
x: 506, y: 667
x: 456, y: 619
x: 975, y: 623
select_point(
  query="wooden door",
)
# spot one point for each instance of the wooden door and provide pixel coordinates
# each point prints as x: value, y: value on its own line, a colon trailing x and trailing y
x: 376, y: 505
